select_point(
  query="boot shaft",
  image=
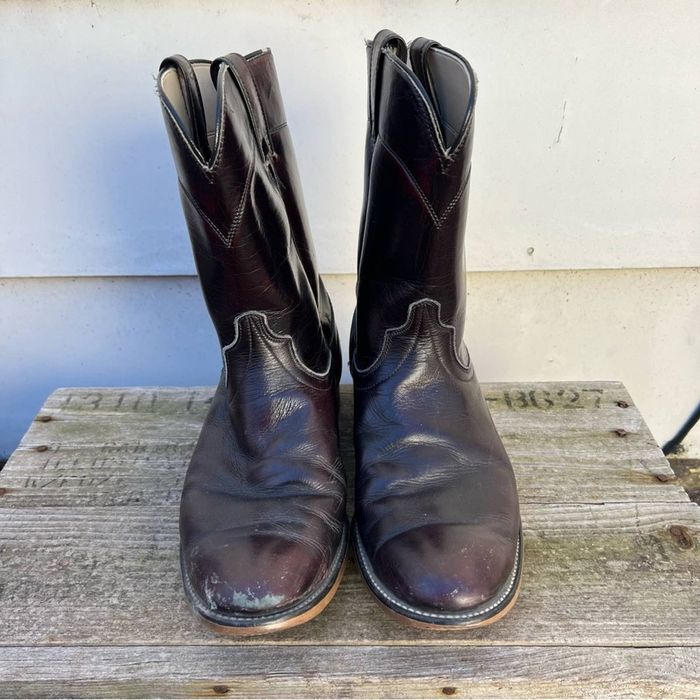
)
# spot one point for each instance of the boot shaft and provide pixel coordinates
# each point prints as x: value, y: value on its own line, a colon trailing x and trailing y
x: 418, y: 159
x: 242, y: 199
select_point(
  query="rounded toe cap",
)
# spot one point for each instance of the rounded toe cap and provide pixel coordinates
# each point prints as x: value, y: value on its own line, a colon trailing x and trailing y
x: 251, y: 576
x: 446, y: 568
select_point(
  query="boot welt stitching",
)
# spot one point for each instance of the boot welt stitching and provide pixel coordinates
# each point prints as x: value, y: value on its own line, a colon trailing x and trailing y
x: 309, y: 601
x: 383, y: 593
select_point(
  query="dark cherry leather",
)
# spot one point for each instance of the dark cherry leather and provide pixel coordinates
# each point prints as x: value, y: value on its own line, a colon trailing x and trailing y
x: 262, y: 517
x: 437, y: 518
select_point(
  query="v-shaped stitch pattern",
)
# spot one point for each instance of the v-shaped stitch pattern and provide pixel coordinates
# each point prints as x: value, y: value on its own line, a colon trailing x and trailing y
x: 227, y: 238
x: 438, y: 220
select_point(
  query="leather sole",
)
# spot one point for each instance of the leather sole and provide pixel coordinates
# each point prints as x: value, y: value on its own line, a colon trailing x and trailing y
x: 302, y: 611
x: 486, y: 613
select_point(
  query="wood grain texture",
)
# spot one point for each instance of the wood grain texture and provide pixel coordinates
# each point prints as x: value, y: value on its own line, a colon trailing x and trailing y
x: 592, y: 575
x: 132, y: 446
x: 92, y: 604
x: 269, y: 671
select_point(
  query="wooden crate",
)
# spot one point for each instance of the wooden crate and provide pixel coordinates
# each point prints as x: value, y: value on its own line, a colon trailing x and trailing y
x: 92, y: 604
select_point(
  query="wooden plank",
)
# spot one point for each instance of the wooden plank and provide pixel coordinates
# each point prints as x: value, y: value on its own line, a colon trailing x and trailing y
x: 74, y: 482
x: 92, y: 602
x: 613, y: 574
x: 136, y: 445
x: 264, y: 671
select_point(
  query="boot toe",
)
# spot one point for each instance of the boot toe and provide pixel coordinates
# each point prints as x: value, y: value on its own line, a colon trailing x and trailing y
x: 252, y: 576
x: 446, y: 568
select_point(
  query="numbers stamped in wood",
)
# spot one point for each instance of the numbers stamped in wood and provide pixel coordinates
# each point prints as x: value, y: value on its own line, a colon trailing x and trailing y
x: 194, y: 402
x: 566, y: 397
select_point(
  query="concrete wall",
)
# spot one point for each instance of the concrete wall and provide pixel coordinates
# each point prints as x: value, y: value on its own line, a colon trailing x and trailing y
x: 583, y: 236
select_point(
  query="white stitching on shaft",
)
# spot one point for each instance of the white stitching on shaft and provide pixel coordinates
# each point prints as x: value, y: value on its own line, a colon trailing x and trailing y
x: 276, y: 336
x: 396, y: 330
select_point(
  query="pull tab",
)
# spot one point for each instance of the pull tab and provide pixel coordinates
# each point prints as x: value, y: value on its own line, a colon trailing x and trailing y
x: 418, y: 51
x: 192, y: 96
x: 385, y: 39
x: 241, y: 74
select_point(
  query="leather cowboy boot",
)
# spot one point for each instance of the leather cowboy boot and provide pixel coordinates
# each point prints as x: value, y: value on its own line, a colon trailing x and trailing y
x: 437, y: 527
x: 262, y: 516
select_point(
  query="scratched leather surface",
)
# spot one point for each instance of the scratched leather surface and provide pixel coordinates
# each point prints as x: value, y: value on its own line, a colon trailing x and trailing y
x: 263, y: 503
x: 436, y: 500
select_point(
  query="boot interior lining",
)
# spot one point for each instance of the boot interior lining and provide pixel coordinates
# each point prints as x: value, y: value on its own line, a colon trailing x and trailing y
x: 172, y: 90
x: 451, y: 91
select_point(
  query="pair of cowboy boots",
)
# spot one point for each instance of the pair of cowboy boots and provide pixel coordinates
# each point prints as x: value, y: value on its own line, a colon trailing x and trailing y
x: 263, y: 524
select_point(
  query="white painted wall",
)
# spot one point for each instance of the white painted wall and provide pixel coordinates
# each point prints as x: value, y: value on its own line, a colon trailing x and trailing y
x: 586, y: 151
x: 587, y: 143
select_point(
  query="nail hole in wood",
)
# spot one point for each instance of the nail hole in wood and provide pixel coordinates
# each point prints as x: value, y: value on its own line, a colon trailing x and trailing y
x: 682, y: 536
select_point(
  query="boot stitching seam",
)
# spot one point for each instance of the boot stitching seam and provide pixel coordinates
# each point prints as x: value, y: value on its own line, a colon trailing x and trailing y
x: 396, y: 330
x: 277, y: 336
x: 379, y: 588
x: 227, y: 239
x: 437, y: 220
x: 206, y: 169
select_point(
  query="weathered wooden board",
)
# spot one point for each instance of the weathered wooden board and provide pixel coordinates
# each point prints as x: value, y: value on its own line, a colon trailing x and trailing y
x: 386, y: 672
x: 593, y: 574
x: 91, y: 601
x: 121, y: 447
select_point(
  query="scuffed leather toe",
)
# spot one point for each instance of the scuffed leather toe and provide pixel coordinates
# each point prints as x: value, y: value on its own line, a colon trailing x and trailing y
x: 252, y: 575
x: 445, y: 568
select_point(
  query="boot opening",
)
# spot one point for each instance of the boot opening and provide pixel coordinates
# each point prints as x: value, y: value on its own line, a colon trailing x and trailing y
x: 180, y: 94
x: 451, y: 87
